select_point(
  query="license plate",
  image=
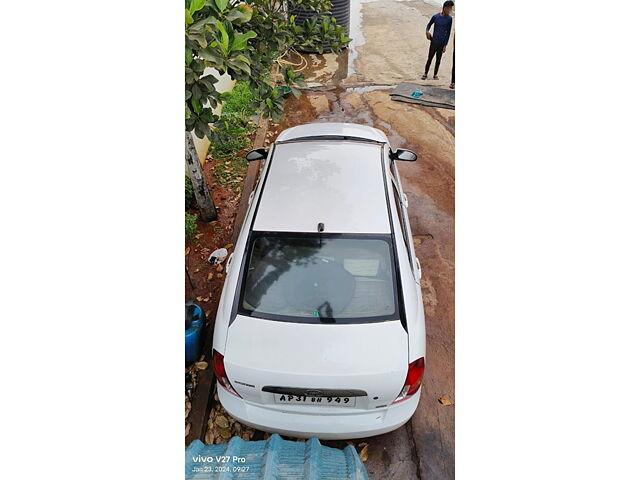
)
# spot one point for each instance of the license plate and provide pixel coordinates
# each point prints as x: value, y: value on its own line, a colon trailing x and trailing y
x: 324, y: 401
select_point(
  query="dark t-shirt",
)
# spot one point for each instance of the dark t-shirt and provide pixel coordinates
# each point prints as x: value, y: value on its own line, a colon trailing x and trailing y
x: 441, y: 29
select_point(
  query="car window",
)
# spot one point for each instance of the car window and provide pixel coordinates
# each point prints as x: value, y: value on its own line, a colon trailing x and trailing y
x: 319, y: 278
x: 401, y: 216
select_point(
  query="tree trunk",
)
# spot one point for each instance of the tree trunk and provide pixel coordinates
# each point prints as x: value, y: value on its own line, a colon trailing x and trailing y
x: 194, y: 170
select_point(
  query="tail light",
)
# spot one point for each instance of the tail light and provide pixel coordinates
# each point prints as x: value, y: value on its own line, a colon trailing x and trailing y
x: 221, y: 375
x: 413, y: 381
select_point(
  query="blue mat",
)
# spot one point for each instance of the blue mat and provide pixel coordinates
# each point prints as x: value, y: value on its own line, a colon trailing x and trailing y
x: 273, y: 459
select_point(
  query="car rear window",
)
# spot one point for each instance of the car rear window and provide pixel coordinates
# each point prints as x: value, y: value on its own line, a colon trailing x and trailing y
x: 319, y: 278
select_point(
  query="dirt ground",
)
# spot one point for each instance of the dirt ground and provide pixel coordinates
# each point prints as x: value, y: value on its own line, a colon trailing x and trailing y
x: 204, y: 282
x: 205, y: 277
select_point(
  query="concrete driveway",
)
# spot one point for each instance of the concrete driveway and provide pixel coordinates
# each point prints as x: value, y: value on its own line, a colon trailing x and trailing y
x: 389, y: 47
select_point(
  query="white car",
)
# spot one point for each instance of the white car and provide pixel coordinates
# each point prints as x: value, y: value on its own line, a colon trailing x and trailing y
x: 320, y: 329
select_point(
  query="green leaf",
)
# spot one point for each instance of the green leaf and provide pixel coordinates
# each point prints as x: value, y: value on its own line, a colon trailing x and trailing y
x: 196, y: 92
x: 200, y: 24
x: 288, y: 74
x: 242, y: 58
x: 187, y: 17
x: 224, y: 38
x: 208, y: 116
x: 240, y: 65
x: 201, y: 129
x: 243, y: 13
x: 240, y: 42
x: 276, y: 116
x: 199, y: 38
x: 212, y: 56
x: 222, y: 4
x: 190, y: 76
x: 195, y: 105
x: 208, y: 82
x: 213, y: 101
x: 196, y: 5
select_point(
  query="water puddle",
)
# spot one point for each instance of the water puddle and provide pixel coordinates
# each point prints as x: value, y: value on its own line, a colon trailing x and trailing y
x: 395, y: 139
x: 355, y: 32
x: 369, y: 88
x: 321, y: 70
x: 349, y: 105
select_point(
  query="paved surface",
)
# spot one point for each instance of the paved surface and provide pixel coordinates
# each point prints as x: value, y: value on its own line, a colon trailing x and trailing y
x: 353, y: 87
x: 389, y: 46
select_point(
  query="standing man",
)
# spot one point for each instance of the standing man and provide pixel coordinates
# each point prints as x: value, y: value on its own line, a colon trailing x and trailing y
x: 442, y: 23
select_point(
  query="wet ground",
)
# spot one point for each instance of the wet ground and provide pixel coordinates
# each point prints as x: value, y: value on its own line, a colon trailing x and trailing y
x: 388, y: 47
x: 354, y: 86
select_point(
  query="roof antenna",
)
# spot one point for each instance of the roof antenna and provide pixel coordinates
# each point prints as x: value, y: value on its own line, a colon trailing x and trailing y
x: 321, y: 227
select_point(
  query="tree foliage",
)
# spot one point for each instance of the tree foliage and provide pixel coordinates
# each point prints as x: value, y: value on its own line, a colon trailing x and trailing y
x: 245, y: 40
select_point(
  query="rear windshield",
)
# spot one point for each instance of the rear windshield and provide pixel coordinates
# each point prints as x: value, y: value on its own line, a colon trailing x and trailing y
x: 319, y: 278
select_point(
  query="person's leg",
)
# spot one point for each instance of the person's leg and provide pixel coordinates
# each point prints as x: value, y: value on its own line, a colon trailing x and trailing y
x: 453, y: 71
x: 432, y: 51
x: 438, y: 58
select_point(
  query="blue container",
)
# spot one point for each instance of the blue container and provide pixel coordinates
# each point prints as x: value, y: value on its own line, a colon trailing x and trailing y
x: 273, y: 459
x: 194, y: 325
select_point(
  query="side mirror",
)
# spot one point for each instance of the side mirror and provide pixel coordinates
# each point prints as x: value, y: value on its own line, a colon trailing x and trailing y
x: 404, y: 155
x: 257, y: 154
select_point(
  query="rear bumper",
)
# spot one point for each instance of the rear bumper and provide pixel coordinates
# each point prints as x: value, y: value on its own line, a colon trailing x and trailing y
x: 326, y: 427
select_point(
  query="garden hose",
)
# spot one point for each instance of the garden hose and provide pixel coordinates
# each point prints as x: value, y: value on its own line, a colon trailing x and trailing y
x: 297, y: 66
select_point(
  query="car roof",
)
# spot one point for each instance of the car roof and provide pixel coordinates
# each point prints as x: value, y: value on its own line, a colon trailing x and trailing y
x: 337, y: 183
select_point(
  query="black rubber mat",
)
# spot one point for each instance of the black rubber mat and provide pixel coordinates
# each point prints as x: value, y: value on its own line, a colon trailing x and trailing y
x: 431, y: 96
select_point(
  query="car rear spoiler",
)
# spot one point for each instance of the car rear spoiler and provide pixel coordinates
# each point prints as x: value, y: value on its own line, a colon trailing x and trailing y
x: 316, y: 138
